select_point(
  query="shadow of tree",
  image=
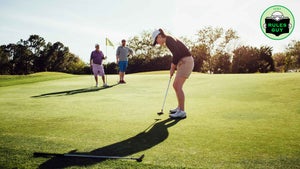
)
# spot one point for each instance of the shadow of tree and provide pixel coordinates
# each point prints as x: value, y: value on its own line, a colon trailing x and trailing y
x: 153, y: 135
x: 72, y: 92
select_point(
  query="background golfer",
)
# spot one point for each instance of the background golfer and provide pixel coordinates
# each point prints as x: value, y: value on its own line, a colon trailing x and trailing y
x: 183, y: 61
x: 122, y: 55
x: 96, y: 64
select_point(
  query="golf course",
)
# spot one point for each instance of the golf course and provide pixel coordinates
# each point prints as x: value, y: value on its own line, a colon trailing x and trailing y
x: 233, y: 121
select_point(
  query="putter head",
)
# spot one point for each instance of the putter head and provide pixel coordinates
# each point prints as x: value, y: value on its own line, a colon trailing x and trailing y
x: 160, y: 113
x: 140, y: 159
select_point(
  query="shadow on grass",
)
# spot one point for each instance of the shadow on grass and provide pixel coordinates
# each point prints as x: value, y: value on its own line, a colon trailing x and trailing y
x: 153, y: 135
x: 72, y: 92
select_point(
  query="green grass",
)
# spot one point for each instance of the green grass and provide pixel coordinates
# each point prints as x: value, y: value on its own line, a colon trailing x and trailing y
x: 234, y: 121
x: 8, y: 80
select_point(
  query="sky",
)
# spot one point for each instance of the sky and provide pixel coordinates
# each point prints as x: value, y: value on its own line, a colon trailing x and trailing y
x: 80, y: 24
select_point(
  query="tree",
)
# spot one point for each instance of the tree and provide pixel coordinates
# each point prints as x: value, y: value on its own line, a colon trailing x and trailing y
x: 34, y: 55
x: 245, y: 60
x: 74, y: 64
x: 201, y: 54
x: 217, y: 42
x: 147, y: 57
x: 56, y: 57
x: 265, y: 62
x: 5, y: 64
x: 187, y: 42
x: 36, y: 44
x: 279, y: 61
x: 142, y: 46
x: 293, y: 55
x: 20, y: 58
x: 221, y: 63
x: 248, y: 59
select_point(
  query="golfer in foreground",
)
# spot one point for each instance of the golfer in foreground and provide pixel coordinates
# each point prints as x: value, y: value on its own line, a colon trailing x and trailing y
x: 182, y: 61
x: 96, y: 64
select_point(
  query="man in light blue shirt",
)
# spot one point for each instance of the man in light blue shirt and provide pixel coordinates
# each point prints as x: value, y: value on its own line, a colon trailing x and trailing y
x: 122, y: 55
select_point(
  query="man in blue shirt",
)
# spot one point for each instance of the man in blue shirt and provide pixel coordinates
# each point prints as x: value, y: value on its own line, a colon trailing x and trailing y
x: 122, y: 55
x: 96, y: 64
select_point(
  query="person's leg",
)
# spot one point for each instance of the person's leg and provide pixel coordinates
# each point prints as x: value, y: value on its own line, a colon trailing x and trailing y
x: 95, y: 70
x: 184, y: 70
x: 103, y: 79
x: 178, y: 85
x: 121, y: 70
x: 120, y: 76
x: 102, y: 74
x: 96, y: 79
x: 123, y: 75
x: 124, y: 70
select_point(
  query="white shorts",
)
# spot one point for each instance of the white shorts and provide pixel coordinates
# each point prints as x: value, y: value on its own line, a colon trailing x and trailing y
x: 98, y: 70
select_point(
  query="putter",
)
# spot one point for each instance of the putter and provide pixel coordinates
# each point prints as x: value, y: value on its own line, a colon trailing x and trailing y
x: 39, y: 154
x: 162, y: 109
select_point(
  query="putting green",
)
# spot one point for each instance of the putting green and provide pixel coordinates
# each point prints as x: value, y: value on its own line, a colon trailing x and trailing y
x: 233, y: 121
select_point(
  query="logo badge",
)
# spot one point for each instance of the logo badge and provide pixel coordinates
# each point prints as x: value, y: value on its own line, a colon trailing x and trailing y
x: 277, y: 22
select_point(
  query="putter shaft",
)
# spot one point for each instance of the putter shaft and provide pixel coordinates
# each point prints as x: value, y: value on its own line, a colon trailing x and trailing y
x: 38, y: 154
x: 163, y: 105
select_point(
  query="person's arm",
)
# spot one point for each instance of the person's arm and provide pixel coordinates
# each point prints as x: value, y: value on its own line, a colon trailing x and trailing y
x: 117, y: 59
x: 102, y: 55
x: 117, y: 56
x: 130, y: 52
x: 91, y: 60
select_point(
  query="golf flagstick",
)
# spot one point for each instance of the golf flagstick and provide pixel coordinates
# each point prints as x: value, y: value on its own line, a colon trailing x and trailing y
x: 106, y: 60
x: 162, y: 108
x: 40, y: 154
x: 107, y: 43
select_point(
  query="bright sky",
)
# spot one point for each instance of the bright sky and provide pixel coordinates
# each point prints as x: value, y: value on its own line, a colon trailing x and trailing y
x: 79, y: 24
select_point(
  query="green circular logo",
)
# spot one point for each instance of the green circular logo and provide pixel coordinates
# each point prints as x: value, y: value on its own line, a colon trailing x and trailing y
x: 277, y: 22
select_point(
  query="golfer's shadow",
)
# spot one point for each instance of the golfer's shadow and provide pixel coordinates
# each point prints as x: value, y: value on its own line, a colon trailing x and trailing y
x: 72, y: 92
x: 153, y: 135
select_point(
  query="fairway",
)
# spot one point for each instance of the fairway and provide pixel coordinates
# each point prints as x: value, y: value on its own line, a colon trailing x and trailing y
x: 233, y: 121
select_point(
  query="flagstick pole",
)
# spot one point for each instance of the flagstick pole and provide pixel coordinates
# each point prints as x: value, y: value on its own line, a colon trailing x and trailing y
x: 106, y: 59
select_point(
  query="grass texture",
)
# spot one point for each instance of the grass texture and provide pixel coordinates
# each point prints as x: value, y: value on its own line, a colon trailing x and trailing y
x: 233, y: 121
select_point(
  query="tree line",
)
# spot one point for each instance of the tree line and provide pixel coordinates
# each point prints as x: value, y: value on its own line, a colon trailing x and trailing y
x: 35, y: 55
x: 215, y: 50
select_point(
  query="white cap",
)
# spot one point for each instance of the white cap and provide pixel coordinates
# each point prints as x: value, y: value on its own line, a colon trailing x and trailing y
x: 154, y: 35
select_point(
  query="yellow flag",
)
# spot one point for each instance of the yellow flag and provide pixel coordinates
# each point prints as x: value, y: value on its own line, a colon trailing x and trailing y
x: 109, y: 43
